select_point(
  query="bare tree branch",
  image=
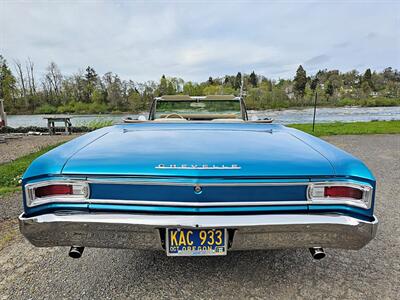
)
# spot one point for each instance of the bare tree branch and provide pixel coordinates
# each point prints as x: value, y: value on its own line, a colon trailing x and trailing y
x: 21, y: 79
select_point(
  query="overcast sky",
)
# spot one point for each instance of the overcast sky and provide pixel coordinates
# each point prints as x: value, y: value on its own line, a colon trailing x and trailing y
x: 143, y: 40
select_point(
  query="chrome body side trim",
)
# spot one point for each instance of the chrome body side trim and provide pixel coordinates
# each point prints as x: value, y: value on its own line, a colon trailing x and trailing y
x: 142, y: 231
x: 198, y: 167
x: 194, y: 182
x: 196, y: 204
x: 333, y: 201
x: 197, y: 182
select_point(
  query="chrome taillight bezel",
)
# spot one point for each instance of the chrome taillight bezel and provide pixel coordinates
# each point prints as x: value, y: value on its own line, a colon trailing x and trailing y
x: 80, y: 187
x: 315, y: 197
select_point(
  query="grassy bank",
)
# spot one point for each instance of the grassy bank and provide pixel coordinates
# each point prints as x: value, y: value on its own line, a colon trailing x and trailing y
x: 11, y: 172
x: 339, y: 128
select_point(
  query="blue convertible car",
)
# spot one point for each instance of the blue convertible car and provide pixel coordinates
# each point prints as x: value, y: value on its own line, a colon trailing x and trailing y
x: 198, y: 178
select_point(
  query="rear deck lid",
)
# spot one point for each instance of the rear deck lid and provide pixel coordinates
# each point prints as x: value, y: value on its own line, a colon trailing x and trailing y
x: 199, y: 152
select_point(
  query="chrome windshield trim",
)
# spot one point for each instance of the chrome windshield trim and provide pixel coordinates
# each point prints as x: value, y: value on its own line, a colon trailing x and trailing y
x: 196, y: 204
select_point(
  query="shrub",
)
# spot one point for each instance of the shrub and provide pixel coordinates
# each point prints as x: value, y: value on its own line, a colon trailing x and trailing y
x: 46, y: 109
x: 98, y: 123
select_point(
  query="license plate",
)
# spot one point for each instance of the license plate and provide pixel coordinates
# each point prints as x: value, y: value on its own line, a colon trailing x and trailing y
x: 195, y: 242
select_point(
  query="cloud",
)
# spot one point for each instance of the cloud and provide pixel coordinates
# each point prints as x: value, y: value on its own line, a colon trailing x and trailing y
x: 317, y: 60
x: 371, y: 36
x: 342, y: 45
x: 143, y: 40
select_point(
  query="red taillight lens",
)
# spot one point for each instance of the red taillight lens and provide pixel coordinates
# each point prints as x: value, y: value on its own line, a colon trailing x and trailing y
x: 343, y: 192
x: 51, y: 190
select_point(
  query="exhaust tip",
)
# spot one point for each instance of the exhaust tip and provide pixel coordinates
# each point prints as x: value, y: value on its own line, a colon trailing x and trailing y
x: 317, y: 253
x: 76, y: 252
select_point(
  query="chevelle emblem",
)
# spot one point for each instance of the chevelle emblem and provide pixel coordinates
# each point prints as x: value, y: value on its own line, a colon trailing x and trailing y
x: 200, y: 167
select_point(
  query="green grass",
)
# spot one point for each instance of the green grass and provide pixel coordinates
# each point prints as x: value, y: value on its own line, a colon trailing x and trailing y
x: 8, y: 190
x: 339, y: 128
x: 11, y: 172
x: 98, y: 123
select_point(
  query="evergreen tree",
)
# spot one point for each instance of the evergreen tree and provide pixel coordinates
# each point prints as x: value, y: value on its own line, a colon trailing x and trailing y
x: 367, y: 75
x: 163, y: 87
x: 314, y: 84
x: 253, y: 79
x: 300, y: 81
x: 226, y: 80
x: 238, y: 81
x: 368, y: 78
x: 91, y: 79
x: 7, y: 82
x: 329, y: 89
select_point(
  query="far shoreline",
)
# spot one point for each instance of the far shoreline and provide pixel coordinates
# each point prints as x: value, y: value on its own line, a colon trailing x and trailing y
x: 252, y: 110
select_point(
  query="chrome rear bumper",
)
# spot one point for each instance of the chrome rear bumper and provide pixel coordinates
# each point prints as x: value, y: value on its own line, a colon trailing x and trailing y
x: 144, y: 231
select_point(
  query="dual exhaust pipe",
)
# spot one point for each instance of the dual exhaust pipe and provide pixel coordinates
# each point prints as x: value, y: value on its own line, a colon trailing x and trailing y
x: 316, y: 252
x: 76, y: 251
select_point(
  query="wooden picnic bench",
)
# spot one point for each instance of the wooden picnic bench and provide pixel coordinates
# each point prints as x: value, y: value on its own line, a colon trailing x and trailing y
x: 51, y: 121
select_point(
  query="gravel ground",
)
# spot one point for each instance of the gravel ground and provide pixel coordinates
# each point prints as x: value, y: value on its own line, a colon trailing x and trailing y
x: 370, y: 273
x: 15, y: 148
x: 10, y: 206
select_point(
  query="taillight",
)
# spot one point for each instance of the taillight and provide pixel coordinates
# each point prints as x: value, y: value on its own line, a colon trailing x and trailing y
x: 343, y: 192
x: 52, y: 191
x: 340, y: 193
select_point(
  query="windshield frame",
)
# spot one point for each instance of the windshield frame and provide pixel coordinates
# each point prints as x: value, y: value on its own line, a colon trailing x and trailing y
x: 153, y: 107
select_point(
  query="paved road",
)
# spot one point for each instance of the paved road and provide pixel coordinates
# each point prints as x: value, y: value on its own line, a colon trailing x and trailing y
x: 373, y: 272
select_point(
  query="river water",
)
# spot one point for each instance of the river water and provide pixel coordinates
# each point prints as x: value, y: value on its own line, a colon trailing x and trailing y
x: 287, y: 116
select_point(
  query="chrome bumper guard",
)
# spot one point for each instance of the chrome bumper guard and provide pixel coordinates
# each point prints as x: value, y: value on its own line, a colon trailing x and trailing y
x: 251, y: 232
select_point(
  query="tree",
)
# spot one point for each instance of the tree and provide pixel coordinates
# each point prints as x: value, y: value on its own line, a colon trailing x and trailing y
x: 135, y: 101
x: 7, y: 83
x: 114, y: 88
x: 21, y: 77
x: 366, y: 88
x: 210, y: 80
x: 238, y: 81
x: 193, y: 89
x: 227, y: 80
x: 367, y: 75
x: 300, y: 81
x: 31, y: 77
x: 314, y: 84
x: 253, y: 79
x: 389, y: 74
x: 368, y: 78
x: 91, y: 79
x: 52, y: 83
x: 163, y: 87
x: 329, y: 90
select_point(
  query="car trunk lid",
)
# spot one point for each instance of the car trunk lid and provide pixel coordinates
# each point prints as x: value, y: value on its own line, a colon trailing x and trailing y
x: 199, y: 152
